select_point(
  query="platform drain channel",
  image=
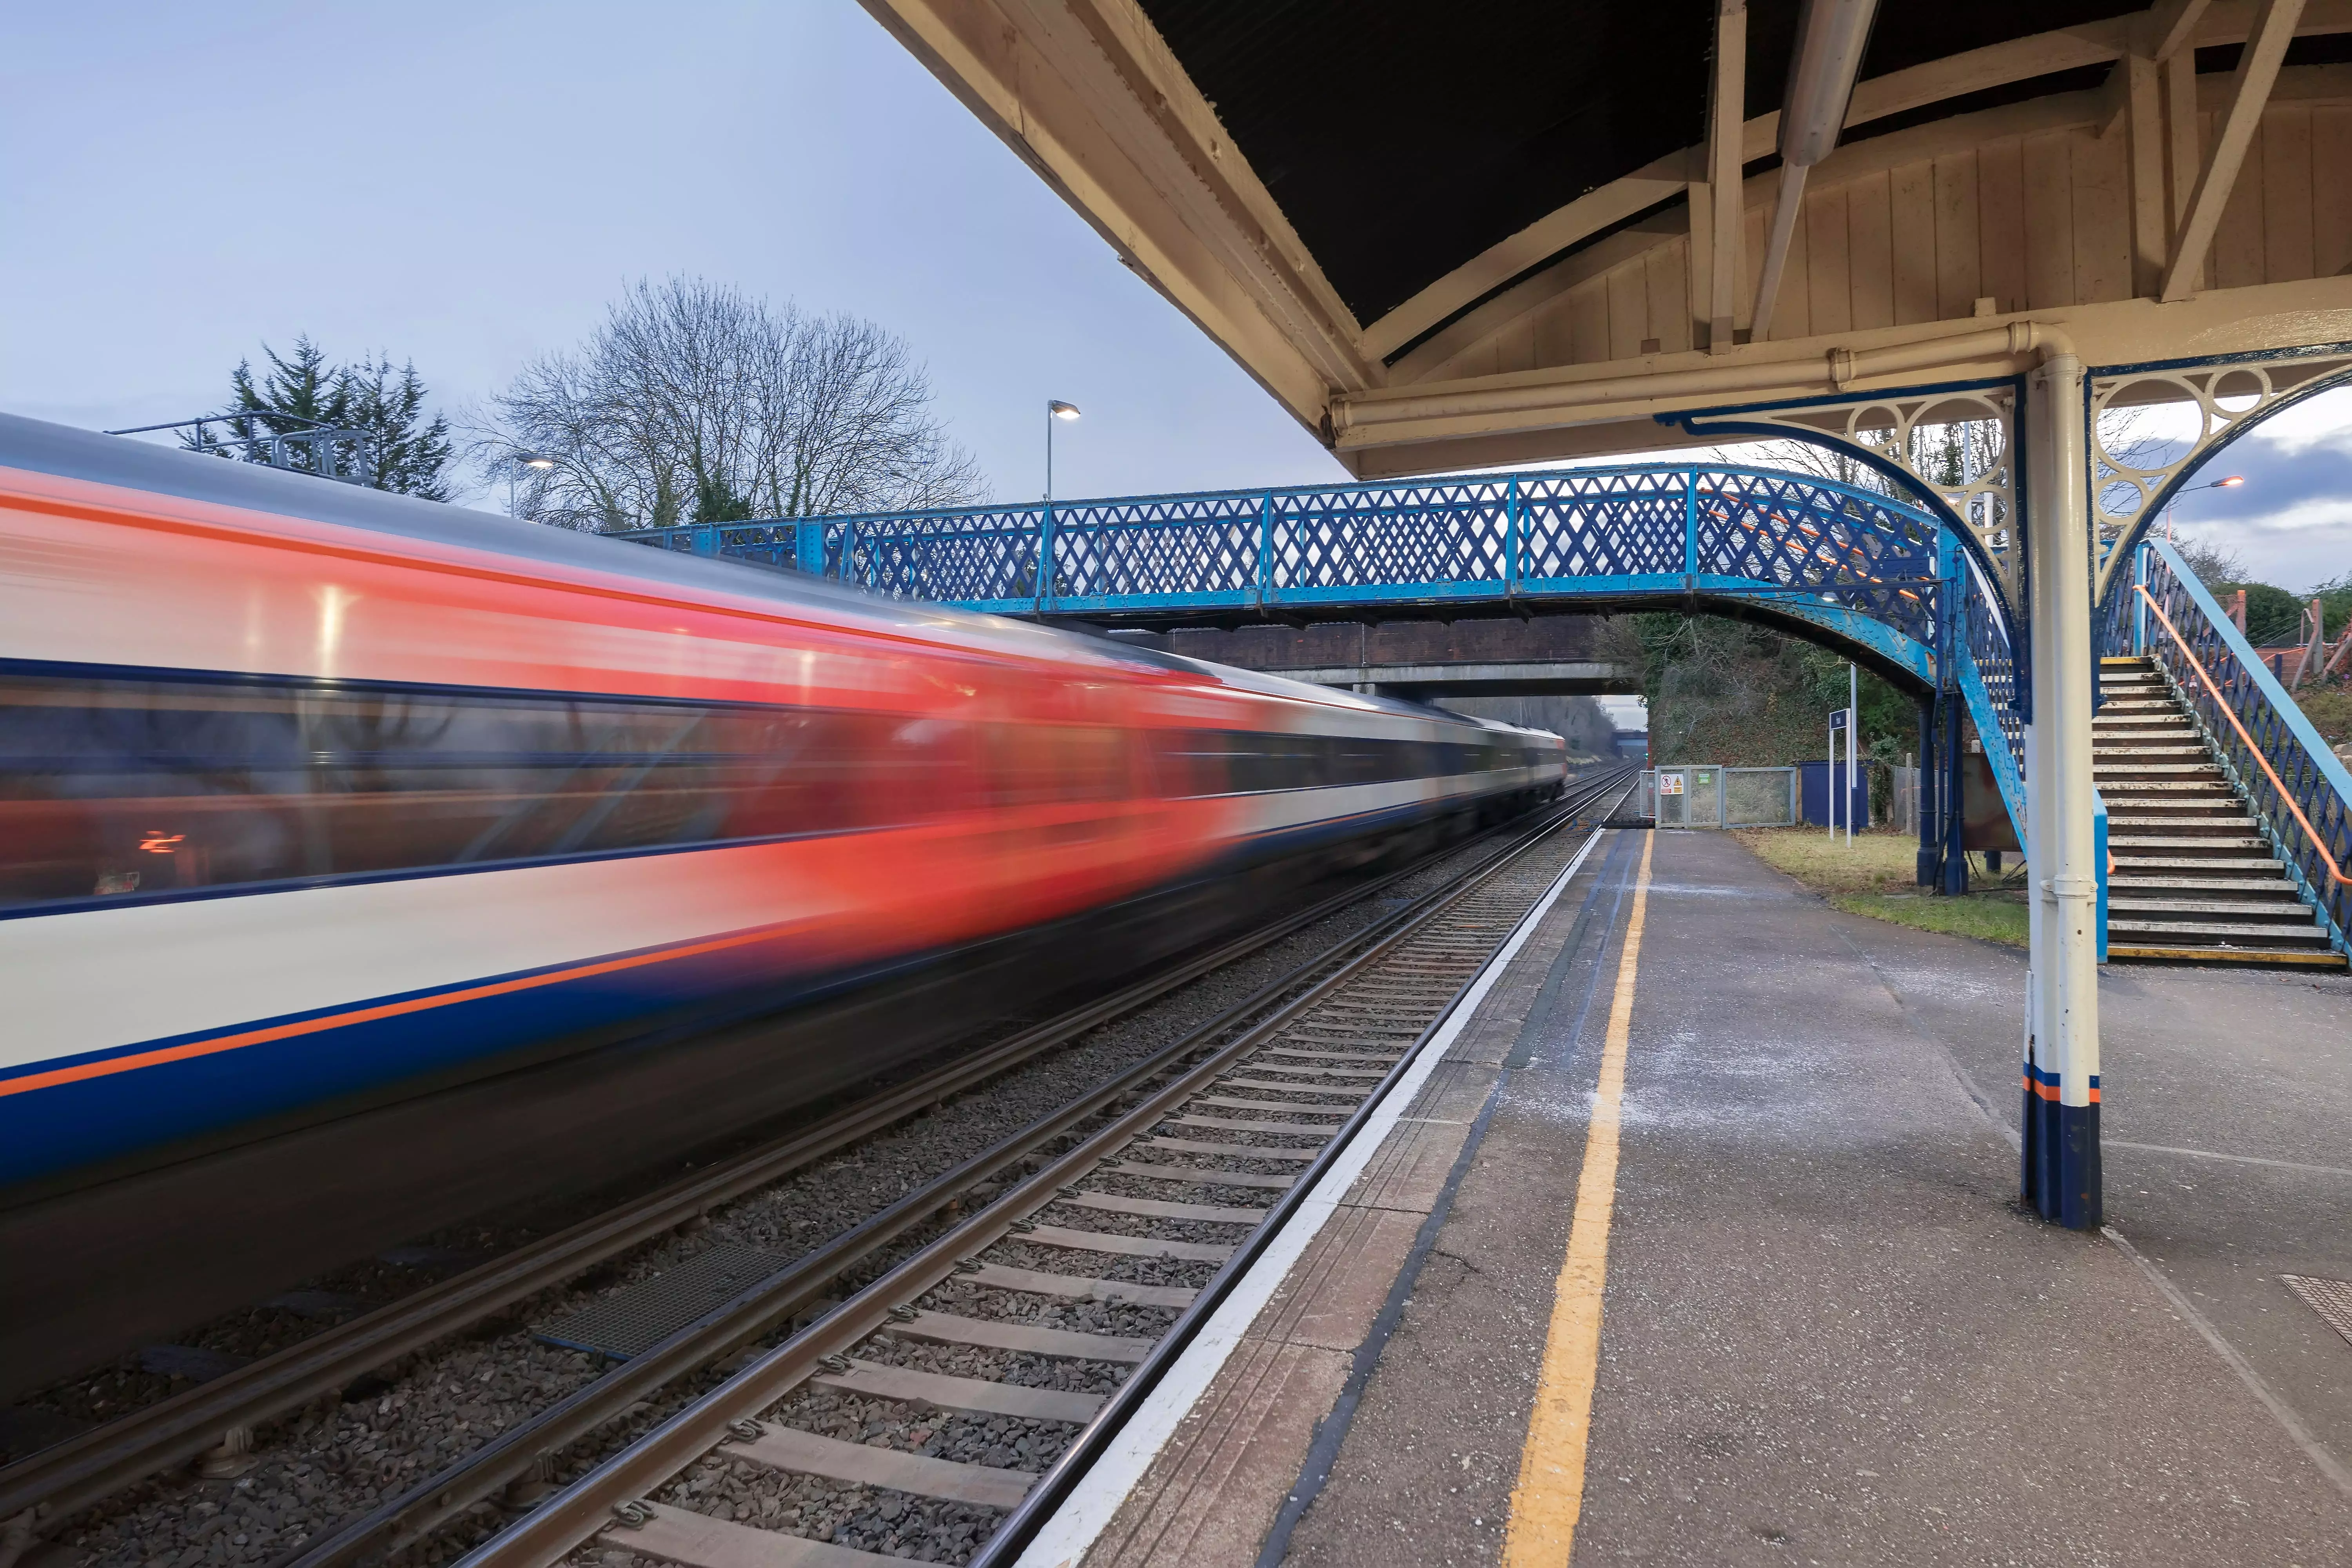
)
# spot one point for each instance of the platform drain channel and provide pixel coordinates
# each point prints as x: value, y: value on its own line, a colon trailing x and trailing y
x: 2331, y: 1299
x: 630, y: 1322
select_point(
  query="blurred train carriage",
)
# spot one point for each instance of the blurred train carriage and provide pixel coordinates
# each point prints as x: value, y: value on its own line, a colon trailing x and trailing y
x: 365, y: 860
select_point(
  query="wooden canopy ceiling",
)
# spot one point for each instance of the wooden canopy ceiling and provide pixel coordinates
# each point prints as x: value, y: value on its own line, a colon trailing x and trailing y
x: 1445, y: 237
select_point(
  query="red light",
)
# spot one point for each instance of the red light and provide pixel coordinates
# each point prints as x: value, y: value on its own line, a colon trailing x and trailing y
x: 158, y: 842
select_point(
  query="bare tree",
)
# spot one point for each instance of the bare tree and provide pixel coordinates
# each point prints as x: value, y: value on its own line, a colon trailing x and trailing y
x: 694, y: 404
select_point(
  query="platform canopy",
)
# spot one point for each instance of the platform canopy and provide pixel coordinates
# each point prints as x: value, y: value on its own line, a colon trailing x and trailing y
x: 1454, y: 236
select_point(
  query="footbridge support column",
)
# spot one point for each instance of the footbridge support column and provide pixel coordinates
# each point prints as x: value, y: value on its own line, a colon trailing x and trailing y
x: 2061, y: 1131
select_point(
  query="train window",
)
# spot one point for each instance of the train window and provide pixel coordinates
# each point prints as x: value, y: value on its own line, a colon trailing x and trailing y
x: 1191, y: 763
x: 125, y: 787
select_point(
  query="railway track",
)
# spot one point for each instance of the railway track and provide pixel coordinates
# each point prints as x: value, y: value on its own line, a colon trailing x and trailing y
x: 1024, y: 1336
x: 216, y: 1419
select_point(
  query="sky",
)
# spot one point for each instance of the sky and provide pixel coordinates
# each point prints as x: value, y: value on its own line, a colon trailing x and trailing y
x: 467, y: 186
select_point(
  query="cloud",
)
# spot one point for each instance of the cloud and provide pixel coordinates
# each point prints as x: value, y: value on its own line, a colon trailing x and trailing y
x: 2316, y: 511
x: 2323, y: 422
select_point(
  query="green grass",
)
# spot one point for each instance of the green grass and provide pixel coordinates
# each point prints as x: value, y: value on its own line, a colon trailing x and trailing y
x: 1875, y: 876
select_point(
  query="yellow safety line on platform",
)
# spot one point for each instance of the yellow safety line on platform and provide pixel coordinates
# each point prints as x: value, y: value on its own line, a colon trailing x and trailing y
x: 1550, y: 1493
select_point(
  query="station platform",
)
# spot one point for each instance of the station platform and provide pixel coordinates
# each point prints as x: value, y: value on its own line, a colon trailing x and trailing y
x: 1826, y: 1333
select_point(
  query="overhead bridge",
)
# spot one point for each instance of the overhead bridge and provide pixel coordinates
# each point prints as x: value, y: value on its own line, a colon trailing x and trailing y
x: 1491, y: 656
x: 1888, y: 583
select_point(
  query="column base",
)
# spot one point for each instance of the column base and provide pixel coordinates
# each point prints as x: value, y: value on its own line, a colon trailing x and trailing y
x: 2059, y: 1151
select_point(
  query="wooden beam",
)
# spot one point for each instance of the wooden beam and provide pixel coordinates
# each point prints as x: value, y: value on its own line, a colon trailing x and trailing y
x: 1787, y: 208
x: 2151, y: 227
x: 2250, y: 89
x: 1466, y: 346
x: 2184, y: 138
x: 2167, y: 28
x: 1726, y: 145
x: 1092, y: 100
x: 1546, y: 237
x: 1995, y: 64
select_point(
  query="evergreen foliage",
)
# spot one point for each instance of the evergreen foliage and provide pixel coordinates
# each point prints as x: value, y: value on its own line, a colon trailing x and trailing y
x: 1745, y: 696
x: 2334, y: 598
x: 301, y: 391
x: 2273, y: 616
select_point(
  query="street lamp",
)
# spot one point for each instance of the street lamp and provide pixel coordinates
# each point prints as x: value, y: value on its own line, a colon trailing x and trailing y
x: 524, y: 460
x: 2230, y: 483
x: 1055, y: 409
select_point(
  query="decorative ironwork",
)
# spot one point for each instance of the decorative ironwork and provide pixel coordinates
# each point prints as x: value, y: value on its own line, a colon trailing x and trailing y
x: 1865, y: 569
x: 2135, y: 475
x: 1855, y: 562
x: 2299, y: 793
x: 1955, y: 447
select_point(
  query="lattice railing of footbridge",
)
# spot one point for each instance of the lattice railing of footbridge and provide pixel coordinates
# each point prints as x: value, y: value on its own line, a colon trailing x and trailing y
x: 1873, y: 572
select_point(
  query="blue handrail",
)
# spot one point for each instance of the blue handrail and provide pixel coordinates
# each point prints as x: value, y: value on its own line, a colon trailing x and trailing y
x: 2299, y: 792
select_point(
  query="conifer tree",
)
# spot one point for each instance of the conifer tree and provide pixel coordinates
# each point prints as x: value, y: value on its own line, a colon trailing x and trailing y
x: 410, y: 454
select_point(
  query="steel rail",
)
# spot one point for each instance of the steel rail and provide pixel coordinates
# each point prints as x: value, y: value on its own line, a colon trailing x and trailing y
x: 66, y: 1477
x: 516, y: 1452
x: 1054, y: 1488
x: 523, y: 1447
x: 584, y: 1507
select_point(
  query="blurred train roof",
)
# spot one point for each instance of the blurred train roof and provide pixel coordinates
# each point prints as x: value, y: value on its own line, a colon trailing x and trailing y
x: 36, y: 446
x: 39, y: 446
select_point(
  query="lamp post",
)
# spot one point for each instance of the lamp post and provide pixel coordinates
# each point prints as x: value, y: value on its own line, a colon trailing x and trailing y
x: 524, y: 460
x: 1055, y: 409
x: 2230, y: 483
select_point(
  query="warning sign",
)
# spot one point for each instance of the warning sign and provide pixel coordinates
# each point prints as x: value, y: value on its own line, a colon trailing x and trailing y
x: 1670, y: 784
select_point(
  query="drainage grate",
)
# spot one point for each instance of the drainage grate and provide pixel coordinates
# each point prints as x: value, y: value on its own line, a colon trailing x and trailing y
x: 630, y: 1322
x: 2331, y: 1299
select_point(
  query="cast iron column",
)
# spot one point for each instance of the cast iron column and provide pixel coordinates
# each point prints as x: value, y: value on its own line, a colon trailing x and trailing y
x: 2060, y: 1173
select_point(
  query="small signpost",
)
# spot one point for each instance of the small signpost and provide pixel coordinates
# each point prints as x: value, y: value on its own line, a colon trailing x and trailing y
x: 1844, y: 718
x: 1838, y: 726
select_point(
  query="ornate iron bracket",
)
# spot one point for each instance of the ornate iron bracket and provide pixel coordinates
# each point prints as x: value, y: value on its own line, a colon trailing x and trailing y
x: 2231, y: 394
x: 1974, y: 490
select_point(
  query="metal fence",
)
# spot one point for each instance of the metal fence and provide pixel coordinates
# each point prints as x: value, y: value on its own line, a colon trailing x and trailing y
x: 1701, y: 795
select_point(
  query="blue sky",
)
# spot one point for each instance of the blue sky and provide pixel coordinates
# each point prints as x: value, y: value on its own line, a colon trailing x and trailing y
x: 467, y: 185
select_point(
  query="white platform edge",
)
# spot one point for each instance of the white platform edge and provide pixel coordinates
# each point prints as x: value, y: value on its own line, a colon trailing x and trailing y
x: 1067, y: 1536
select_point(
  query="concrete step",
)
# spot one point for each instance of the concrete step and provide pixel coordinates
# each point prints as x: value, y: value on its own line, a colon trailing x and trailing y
x: 2226, y: 909
x: 2173, y: 841
x: 2190, y: 883
x: 2176, y: 807
x: 2146, y: 951
x: 2215, y: 863
x: 2212, y: 931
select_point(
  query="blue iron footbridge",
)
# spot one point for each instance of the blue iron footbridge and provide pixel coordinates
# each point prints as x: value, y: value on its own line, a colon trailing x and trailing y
x: 1853, y: 568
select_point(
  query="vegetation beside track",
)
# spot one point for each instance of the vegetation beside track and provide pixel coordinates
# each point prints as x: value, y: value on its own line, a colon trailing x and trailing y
x: 1874, y: 877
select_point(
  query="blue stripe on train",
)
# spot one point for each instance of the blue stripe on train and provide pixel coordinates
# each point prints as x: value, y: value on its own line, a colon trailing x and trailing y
x: 92, y: 1120
x: 118, y: 1114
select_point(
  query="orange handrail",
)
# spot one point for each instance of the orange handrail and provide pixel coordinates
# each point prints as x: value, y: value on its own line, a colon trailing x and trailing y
x: 2231, y: 714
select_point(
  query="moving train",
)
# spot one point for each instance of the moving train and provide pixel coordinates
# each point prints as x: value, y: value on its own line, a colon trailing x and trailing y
x: 358, y: 852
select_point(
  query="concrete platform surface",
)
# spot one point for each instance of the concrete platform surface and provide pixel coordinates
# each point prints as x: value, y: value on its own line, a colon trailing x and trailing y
x: 1828, y: 1333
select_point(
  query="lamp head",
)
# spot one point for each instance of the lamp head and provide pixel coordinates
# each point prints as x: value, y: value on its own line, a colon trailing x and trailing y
x: 1061, y: 410
x: 534, y: 459
x: 2233, y: 482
